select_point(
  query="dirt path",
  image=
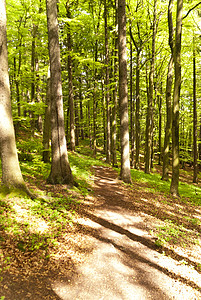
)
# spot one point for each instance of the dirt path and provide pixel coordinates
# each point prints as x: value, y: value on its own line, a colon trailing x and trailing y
x: 125, y: 263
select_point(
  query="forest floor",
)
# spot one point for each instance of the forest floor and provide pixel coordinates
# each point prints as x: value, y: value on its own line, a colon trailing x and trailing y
x: 113, y: 251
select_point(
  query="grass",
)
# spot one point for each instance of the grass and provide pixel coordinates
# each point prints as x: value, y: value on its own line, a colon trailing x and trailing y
x: 188, y: 192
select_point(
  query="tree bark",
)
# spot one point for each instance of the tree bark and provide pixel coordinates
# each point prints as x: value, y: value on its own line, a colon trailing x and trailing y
x: 47, y: 124
x: 195, y: 149
x: 107, y: 81
x: 174, y: 189
x: 123, y: 95
x: 132, y: 121
x: 137, y: 112
x: 168, y: 121
x: 60, y: 167
x: 168, y: 127
x: 159, y: 126
x: 115, y: 101
x: 149, y: 123
x: 70, y: 85
x: 11, y: 173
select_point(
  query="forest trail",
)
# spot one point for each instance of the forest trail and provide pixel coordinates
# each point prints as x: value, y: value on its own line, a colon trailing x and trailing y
x: 125, y: 262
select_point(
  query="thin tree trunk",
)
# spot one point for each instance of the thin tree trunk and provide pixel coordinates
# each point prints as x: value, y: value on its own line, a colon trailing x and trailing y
x: 70, y: 83
x: 114, y: 124
x: 174, y: 189
x: 159, y: 126
x: 168, y: 127
x: 137, y: 112
x: 149, y: 125
x: 47, y: 124
x: 123, y: 95
x: 195, y: 150
x: 60, y: 167
x: 132, y: 128
x: 107, y: 81
x: 81, y: 109
x: 168, y: 121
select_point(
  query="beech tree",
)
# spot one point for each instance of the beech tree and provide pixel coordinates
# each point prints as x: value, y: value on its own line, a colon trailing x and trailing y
x: 174, y: 189
x: 11, y: 173
x: 60, y: 167
x: 123, y: 95
x: 168, y: 95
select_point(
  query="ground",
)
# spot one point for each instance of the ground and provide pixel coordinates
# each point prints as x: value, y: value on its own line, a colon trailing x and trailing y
x: 113, y: 251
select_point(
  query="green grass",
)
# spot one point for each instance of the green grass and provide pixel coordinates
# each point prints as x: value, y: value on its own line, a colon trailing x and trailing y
x: 188, y: 192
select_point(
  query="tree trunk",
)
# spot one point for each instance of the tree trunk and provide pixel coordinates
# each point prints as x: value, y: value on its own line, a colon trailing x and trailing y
x: 168, y: 127
x: 11, y: 173
x: 47, y: 124
x: 174, y: 189
x: 114, y: 121
x: 60, y: 167
x: 81, y: 109
x: 195, y: 150
x: 149, y: 124
x: 123, y: 95
x: 70, y: 85
x: 132, y: 123
x: 168, y: 121
x: 159, y: 126
x: 107, y: 81
x: 137, y: 112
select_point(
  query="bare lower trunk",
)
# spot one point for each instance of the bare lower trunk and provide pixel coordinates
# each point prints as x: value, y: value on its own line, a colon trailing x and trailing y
x: 11, y: 173
x: 60, y: 167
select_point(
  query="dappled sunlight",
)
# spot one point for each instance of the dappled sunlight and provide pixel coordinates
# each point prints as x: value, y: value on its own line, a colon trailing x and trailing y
x: 36, y: 225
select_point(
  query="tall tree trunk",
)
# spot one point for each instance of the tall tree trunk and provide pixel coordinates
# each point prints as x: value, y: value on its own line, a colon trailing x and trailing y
x: 60, y: 167
x: 132, y: 126
x: 149, y: 124
x: 168, y: 121
x: 70, y: 84
x: 174, y: 189
x: 47, y: 123
x: 195, y: 150
x: 123, y: 95
x: 137, y: 112
x: 168, y: 127
x: 81, y: 109
x: 114, y: 122
x: 107, y: 81
x: 77, y: 129
x: 11, y: 173
x: 159, y: 125
x: 200, y: 142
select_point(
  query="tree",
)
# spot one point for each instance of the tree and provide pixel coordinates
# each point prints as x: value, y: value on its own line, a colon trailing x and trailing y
x: 107, y: 81
x: 168, y: 96
x: 195, y: 150
x: 174, y: 189
x: 70, y: 82
x: 60, y: 167
x: 149, y: 122
x: 123, y: 95
x: 11, y: 173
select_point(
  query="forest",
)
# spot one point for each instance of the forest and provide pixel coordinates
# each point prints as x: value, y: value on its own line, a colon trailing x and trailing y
x: 100, y: 126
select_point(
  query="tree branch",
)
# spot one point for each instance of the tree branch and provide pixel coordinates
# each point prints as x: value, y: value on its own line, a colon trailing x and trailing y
x: 191, y: 10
